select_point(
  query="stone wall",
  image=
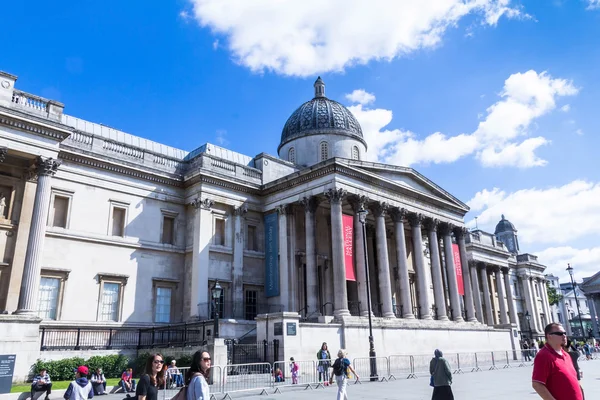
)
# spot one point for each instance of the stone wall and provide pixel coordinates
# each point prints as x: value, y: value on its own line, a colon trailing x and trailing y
x: 20, y: 336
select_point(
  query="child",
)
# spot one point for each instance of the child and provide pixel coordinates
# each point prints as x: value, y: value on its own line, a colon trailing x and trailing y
x: 278, y: 375
x: 294, y: 370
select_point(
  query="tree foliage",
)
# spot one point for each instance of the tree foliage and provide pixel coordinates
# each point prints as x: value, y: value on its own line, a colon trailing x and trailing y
x: 554, y: 296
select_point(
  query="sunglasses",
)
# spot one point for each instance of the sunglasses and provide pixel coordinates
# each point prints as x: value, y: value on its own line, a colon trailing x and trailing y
x: 158, y: 362
x: 207, y: 359
x: 558, y: 333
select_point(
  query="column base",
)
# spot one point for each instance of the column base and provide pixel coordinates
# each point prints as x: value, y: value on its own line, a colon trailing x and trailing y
x: 427, y: 318
x: 26, y: 313
x: 443, y: 318
x: 408, y: 316
x: 342, y: 312
x: 473, y: 320
x: 389, y: 315
x: 459, y: 319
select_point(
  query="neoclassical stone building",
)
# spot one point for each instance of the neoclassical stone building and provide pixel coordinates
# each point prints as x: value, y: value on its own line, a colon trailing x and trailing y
x: 100, y: 227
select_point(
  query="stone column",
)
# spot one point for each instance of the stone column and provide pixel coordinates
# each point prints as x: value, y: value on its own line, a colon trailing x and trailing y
x: 565, y: 313
x: 501, y: 296
x: 237, y: 273
x: 436, y: 269
x: 403, y: 279
x: 385, y: 285
x: 593, y: 313
x: 546, y: 302
x: 197, y: 277
x: 486, y: 295
x: 512, y: 307
x: 476, y: 292
x: 340, y: 293
x: 529, y: 303
x: 285, y: 294
x: 596, y: 301
x: 45, y: 169
x: 358, y: 203
x: 536, y: 308
x: 422, y: 282
x: 459, y: 233
x: 451, y: 273
x: 312, y: 283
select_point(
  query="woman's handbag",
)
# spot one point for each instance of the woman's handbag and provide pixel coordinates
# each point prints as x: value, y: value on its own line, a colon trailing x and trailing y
x: 431, y: 377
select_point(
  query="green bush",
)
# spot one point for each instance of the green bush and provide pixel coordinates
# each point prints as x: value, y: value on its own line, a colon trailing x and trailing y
x: 62, y: 370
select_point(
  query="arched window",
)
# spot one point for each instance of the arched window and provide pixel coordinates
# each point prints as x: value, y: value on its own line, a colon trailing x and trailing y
x: 292, y: 155
x: 355, y: 153
x: 324, y: 151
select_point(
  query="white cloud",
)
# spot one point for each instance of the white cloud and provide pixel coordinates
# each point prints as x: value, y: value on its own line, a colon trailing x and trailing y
x: 185, y: 16
x: 566, y: 108
x: 593, y: 4
x: 216, y: 44
x: 553, y: 215
x: 585, y: 262
x: 499, y: 140
x: 220, y: 137
x: 304, y: 38
x: 579, y: 132
x: 360, y: 96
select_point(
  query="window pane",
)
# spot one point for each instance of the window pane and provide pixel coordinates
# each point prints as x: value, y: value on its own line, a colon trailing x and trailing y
x: 324, y: 151
x: 48, y: 298
x: 163, y: 304
x: 355, y: 153
x: 61, y: 208
x: 292, y: 155
x: 251, y: 304
x: 252, y: 242
x: 118, y: 221
x: 167, y: 234
x: 219, y: 232
x: 110, y: 302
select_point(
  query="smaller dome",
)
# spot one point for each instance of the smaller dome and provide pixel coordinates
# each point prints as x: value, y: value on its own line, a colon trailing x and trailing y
x: 504, y: 226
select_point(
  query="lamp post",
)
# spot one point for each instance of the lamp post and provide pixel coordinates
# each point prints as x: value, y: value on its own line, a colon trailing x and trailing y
x: 362, y: 217
x: 528, y: 318
x: 216, y: 295
x: 570, y: 269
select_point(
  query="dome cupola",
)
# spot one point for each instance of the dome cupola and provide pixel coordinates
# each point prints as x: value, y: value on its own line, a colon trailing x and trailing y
x: 507, y: 234
x: 320, y: 129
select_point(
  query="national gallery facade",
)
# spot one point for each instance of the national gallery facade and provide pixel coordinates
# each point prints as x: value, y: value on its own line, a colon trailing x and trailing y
x: 103, y: 228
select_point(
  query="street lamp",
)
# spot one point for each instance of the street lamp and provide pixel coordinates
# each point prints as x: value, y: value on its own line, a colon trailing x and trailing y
x: 216, y: 295
x: 570, y: 269
x: 528, y: 318
x: 362, y: 217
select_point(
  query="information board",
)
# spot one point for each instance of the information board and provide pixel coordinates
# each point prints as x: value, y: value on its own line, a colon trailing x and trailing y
x: 291, y: 329
x: 7, y: 369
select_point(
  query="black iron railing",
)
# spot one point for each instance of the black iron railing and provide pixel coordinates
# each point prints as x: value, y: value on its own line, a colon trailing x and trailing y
x: 261, y: 352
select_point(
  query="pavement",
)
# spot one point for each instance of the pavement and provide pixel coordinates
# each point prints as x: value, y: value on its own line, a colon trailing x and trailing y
x: 510, y: 383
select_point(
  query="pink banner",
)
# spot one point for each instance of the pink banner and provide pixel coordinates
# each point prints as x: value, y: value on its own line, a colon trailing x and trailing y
x: 458, y: 269
x: 348, y: 231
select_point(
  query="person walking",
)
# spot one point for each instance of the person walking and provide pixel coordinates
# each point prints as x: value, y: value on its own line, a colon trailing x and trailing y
x: 198, y: 377
x: 341, y: 366
x: 554, y: 376
x: 294, y: 370
x: 80, y: 388
x: 441, y: 377
x: 152, y: 379
x: 324, y: 363
x: 574, y: 358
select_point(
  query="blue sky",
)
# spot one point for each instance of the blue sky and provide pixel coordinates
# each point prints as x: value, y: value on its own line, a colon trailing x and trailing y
x: 512, y: 87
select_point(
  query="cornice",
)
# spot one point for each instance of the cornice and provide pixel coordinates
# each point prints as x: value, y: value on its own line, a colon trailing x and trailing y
x: 31, y: 125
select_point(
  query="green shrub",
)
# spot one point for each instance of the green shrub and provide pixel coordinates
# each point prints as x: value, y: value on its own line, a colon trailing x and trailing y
x: 62, y: 370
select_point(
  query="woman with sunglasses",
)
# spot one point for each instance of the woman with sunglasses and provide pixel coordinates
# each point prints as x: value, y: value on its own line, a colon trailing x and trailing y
x: 198, y: 377
x: 152, y: 380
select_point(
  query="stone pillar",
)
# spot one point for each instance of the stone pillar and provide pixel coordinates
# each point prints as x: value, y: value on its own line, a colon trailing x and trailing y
x: 451, y: 274
x: 292, y: 267
x: 312, y: 283
x: 476, y: 292
x: 593, y: 313
x: 422, y: 281
x: 536, y: 307
x: 358, y: 203
x: 501, y: 296
x: 197, y: 287
x: 340, y: 293
x: 385, y: 285
x: 548, y: 312
x: 285, y: 294
x: 486, y: 295
x: 402, y: 277
x: 512, y: 307
x: 565, y: 313
x: 459, y: 233
x: 529, y: 303
x: 45, y: 169
x: 237, y: 273
x: 436, y: 269
x: 596, y: 301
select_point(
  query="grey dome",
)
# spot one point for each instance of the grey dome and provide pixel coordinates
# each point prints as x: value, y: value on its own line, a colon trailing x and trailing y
x: 321, y: 116
x: 504, y: 226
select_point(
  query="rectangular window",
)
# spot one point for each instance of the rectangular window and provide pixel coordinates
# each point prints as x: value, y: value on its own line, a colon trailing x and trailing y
x: 252, y: 239
x: 110, y: 296
x: 60, y: 211
x: 559, y: 315
x: 118, y: 221
x: 251, y: 305
x: 163, y: 304
x: 219, y: 232
x: 48, y: 297
x: 537, y: 292
x: 168, y: 230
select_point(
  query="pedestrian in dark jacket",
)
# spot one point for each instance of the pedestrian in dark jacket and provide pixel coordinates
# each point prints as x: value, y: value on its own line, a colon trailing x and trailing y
x: 441, y: 377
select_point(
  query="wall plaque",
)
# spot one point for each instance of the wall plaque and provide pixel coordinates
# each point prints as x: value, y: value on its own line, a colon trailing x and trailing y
x: 291, y: 328
x: 7, y: 369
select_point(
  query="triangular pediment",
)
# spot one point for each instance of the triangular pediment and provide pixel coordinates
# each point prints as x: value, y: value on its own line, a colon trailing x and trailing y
x: 408, y: 178
x: 592, y: 283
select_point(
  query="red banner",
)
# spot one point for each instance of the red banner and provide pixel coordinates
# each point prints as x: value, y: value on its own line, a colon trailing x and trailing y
x: 458, y: 269
x: 348, y: 232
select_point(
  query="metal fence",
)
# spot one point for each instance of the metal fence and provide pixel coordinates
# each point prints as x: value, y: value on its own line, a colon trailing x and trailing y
x: 237, y: 310
x: 261, y: 352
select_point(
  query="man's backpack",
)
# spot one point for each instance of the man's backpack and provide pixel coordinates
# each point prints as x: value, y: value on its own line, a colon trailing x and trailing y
x: 338, y: 367
x: 182, y: 394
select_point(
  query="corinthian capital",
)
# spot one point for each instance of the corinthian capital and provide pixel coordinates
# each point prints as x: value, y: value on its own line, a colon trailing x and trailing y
x: 240, y: 211
x: 335, y: 195
x: 46, y: 166
x: 446, y: 228
x: 310, y: 204
x: 282, y: 209
x: 416, y: 219
x: 398, y: 214
x: 460, y: 231
x: 205, y: 204
x: 3, y: 152
x: 380, y: 208
x: 358, y: 202
x: 432, y: 224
